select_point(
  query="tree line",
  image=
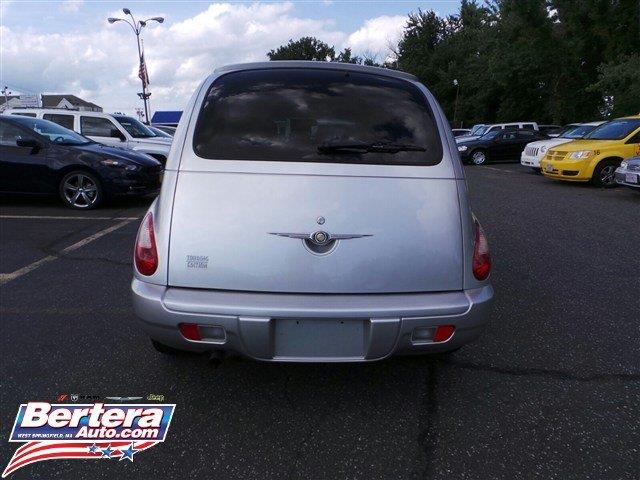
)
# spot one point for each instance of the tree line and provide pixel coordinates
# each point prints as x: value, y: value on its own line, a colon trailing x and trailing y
x: 550, y: 61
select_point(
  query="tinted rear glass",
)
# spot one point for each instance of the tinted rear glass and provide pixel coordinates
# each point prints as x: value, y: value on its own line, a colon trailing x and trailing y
x: 286, y: 114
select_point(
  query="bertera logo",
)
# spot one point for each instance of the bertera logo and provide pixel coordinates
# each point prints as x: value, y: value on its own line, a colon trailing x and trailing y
x: 57, y: 431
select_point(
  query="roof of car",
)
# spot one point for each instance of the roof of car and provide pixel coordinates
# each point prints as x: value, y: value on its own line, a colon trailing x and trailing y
x: 316, y: 65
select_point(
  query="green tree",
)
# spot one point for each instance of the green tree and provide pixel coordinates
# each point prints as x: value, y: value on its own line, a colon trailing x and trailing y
x: 306, y: 48
x: 618, y: 86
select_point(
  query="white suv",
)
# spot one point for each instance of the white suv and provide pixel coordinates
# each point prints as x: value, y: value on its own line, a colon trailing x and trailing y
x: 114, y: 130
x: 479, y: 130
x: 535, y: 151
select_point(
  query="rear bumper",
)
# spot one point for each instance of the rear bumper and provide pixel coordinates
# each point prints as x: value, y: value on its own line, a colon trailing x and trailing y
x: 308, y: 328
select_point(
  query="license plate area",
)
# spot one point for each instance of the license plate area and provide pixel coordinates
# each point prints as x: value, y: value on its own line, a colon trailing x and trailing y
x: 549, y: 168
x: 319, y: 338
x: 631, y: 178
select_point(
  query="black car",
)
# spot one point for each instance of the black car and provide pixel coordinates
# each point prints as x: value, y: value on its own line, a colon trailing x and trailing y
x: 497, y: 146
x: 41, y: 157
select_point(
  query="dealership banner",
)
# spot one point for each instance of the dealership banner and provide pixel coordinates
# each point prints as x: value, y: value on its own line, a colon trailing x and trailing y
x: 86, y: 431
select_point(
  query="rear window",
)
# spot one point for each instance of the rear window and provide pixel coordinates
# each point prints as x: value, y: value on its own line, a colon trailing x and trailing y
x: 298, y: 115
x: 64, y: 120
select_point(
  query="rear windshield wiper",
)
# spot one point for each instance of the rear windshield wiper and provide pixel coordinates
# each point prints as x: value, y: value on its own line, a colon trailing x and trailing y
x: 363, y: 147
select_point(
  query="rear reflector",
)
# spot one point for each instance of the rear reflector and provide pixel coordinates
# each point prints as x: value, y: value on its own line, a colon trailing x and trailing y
x: 481, y: 256
x: 443, y: 333
x: 145, y: 253
x: 190, y: 331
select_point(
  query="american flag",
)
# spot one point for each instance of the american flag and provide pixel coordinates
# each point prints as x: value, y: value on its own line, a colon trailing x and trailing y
x: 32, y: 452
x: 142, y: 72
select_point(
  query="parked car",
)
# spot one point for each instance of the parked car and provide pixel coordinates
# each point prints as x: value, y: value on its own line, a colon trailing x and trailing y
x: 460, y: 131
x: 628, y: 173
x: 158, y: 132
x: 41, y: 157
x: 535, y: 151
x: 484, y: 129
x: 550, y: 130
x: 595, y: 157
x: 497, y: 146
x: 166, y: 129
x: 225, y: 260
x: 114, y: 130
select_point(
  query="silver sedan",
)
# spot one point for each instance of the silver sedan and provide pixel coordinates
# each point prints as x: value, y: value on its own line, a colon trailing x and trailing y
x: 628, y: 173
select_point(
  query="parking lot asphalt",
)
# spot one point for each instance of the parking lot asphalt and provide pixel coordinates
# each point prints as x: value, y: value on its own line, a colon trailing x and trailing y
x: 551, y: 390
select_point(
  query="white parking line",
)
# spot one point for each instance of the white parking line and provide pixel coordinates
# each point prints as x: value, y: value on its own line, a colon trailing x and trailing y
x: 7, y: 277
x: 49, y: 217
x: 499, y: 169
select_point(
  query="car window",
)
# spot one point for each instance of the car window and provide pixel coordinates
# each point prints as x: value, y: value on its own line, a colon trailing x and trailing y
x: 530, y: 125
x: 136, y: 128
x: 98, y: 127
x: 24, y: 114
x: 510, y: 135
x: 9, y: 134
x: 615, y: 129
x: 494, y: 129
x: 301, y: 115
x: 527, y: 134
x: 63, y: 120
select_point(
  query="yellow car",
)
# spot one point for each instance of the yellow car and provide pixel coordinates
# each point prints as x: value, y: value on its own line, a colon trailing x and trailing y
x: 595, y: 157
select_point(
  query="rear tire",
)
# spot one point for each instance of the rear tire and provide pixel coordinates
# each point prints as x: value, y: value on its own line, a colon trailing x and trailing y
x: 604, y: 174
x: 478, y: 157
x: 81, y: 190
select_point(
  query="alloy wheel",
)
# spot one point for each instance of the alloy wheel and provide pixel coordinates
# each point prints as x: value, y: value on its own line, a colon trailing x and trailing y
x: 607, y: 175
x: 478, y: 157
x: 80, y: 190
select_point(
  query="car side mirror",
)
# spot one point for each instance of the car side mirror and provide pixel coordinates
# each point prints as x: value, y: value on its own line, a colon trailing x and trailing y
x: 31, y: 143
x: 117, y: 134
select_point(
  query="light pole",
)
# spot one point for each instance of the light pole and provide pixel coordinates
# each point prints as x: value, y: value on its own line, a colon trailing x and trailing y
x: 455, y: 105
x: 137, y: 27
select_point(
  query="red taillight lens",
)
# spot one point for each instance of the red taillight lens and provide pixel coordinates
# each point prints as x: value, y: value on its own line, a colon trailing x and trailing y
x: 190, y: 331
x: 146, y: 255
x: 443, y: 333
x: 481, y: 256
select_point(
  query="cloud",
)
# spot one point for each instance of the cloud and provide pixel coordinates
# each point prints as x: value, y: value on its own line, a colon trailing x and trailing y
x: 100, y: 60
x: 375, y: 36
x: 71, y: 6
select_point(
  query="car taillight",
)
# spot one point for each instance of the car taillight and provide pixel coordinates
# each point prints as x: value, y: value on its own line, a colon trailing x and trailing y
x: 481, y: 256
x: 146, y: 255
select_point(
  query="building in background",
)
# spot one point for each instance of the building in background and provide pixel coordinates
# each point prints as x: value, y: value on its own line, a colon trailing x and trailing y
x: 168, y: 118
x: 70, y: 102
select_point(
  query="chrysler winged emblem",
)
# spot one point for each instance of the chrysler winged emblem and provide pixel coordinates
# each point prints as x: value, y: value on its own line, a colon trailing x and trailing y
x: 320, y: 242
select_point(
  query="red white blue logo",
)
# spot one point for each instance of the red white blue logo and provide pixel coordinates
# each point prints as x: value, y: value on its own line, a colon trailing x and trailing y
x: 97, y: 430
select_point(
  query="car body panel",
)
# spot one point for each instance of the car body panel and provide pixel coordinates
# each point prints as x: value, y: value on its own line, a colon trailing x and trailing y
x: 153, y: 145
x: 628, y: 173
x: 258, y: 285
x: 40, y: 173
x: 557, y: 163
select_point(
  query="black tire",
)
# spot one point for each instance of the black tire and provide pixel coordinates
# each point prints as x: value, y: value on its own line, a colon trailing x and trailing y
x: 81, y: 190
x: 604, y: 173
x: 166, y: 350
x: 478, y: 157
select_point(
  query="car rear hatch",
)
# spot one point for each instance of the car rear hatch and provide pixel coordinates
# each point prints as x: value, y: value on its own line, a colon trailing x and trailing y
x: 266, y: 222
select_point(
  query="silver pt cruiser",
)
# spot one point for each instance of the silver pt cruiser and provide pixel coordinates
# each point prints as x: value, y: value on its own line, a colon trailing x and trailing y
x: 312, y: 211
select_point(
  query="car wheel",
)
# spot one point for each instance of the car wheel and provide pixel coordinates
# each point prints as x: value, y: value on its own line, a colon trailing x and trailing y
x: 604, y: 174
x: 81, y: 190
x: 478, y: 157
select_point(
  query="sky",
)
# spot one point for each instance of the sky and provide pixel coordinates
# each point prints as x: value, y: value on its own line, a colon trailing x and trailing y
x: 68, y: 46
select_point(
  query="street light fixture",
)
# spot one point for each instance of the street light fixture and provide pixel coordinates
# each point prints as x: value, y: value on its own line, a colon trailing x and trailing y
x: 137, y: 27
